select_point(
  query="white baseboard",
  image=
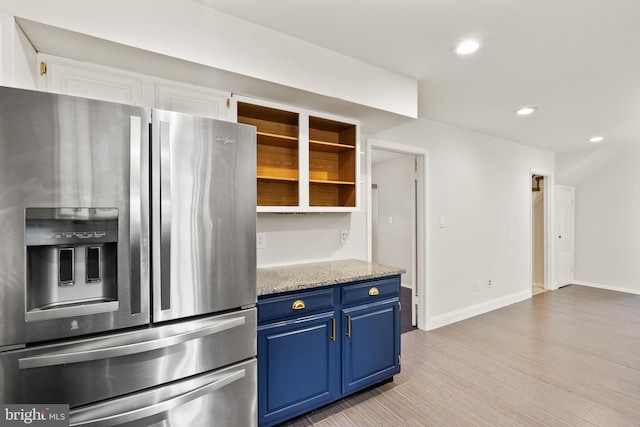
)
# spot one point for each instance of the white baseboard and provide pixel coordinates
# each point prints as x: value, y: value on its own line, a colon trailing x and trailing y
x: 607, y: 287
x: 474, y: 310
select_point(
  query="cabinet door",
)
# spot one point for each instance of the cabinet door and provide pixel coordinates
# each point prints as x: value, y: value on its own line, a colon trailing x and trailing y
x: 370, y: 344
x: 195, y: 100
x: 91, y: 81
x: 298, y: 367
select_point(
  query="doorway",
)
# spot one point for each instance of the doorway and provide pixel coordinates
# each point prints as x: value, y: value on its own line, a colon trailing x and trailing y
x: 396, y: 220
x: 540, y: 227
x: 537, y: 234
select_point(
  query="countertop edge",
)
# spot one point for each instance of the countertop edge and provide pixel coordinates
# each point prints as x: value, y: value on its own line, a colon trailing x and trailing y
x: 298, y: 277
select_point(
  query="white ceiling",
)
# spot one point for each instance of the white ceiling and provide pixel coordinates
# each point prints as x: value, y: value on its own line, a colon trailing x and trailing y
x: 577, y: 61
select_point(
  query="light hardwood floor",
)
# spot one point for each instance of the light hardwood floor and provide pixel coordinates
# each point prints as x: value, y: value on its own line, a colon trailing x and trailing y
x: 570, y: 357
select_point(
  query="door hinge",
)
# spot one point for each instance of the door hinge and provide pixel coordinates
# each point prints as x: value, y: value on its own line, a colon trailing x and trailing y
x: 43, y: 68
x: 399, y: 306
x: 399, y: 361
x: 228, y: 103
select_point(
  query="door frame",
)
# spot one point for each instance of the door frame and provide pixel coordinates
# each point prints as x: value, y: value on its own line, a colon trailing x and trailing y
x: 549, y: 195
x: 422, y: 218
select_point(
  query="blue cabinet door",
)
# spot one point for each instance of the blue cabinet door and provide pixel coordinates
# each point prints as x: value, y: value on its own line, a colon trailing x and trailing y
x: 370, y: 344
x: 298, y: 367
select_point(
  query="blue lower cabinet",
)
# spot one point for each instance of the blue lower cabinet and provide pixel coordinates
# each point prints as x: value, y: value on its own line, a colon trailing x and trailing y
x: 370, y: 344
x: 317, y: 346
x: 298, y: 367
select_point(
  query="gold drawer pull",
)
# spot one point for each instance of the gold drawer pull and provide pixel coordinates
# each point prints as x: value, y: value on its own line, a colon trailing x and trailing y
x: 333, y: 329
x: 348, y: 325
x: 374, y: 291
x: 298, y: 305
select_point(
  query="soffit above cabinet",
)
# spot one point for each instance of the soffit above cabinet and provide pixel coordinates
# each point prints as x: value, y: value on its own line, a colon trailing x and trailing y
x: 376, y: 97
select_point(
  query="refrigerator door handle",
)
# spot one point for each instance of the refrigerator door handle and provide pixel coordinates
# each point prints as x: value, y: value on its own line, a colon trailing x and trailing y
x: 97, y: 416
x: 84, y: 354
x: 138, y: 216
x: 165, y: 216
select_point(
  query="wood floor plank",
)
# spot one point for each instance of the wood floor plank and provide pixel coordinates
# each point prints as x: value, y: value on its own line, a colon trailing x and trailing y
x: 570, y: 357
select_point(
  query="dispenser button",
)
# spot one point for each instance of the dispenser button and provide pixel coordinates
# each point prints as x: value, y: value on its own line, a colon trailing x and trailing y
x: 65, y: 266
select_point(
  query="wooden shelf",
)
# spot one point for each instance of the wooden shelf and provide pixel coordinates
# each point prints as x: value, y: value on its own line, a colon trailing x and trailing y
x: 277, y: 193
x: 277, y: 140
x: 276, y: 178
x: 326, y: 194
x: 322, y: 181
x: 329, y: 147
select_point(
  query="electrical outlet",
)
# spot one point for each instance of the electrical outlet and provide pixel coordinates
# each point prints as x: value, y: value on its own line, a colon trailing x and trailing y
x: 344, y: 236
x: 490, y: 284
x: 261, y: 241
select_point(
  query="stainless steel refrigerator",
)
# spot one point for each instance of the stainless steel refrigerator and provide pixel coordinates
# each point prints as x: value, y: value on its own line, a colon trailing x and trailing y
x: 127, y: 262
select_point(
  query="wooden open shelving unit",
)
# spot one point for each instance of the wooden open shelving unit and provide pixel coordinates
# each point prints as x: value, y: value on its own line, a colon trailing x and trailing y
x: 332, y: 163
x: 277, y: 153
x: 305, y: 163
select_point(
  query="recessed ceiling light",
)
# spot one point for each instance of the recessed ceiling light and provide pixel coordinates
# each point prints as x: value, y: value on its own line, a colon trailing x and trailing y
x: 466, y: 47
x: 596, y: 139
x: 525, y: 111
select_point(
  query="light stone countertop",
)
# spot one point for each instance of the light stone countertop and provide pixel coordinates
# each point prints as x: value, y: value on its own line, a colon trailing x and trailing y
x: 272, y: 280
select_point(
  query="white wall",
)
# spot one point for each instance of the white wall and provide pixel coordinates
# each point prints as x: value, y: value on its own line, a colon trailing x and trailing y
x: 481, y: 185
x: 227, y: 43
x: 575, y: 167
x: 396, y: 202
x: 17, y: 56
x: 607, y: 230
x: 300, y: 238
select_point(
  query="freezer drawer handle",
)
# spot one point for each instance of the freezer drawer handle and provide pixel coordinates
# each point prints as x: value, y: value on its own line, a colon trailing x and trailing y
x: 127, y: 349
x: 147, y: 411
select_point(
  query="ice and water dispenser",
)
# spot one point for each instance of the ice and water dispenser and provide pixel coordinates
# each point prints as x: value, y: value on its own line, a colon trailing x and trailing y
x: 71, y: 261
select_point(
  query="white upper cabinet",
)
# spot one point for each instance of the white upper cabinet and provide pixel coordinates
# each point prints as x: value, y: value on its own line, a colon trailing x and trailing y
x: 188, y: 99
x: 77, y: 78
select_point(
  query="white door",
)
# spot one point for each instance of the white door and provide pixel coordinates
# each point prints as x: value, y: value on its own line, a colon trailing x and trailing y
x: 563, y: 235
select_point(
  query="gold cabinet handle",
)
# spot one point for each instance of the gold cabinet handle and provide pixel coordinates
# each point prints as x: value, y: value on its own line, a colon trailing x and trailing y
x: 374, y: 291
x: 348, y: 325
x: 333, y: 329
x: 298, y: 305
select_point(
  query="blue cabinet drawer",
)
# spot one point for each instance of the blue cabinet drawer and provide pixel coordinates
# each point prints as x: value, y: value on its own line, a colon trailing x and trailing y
x: 295, y: 305
x: 371, y: 290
